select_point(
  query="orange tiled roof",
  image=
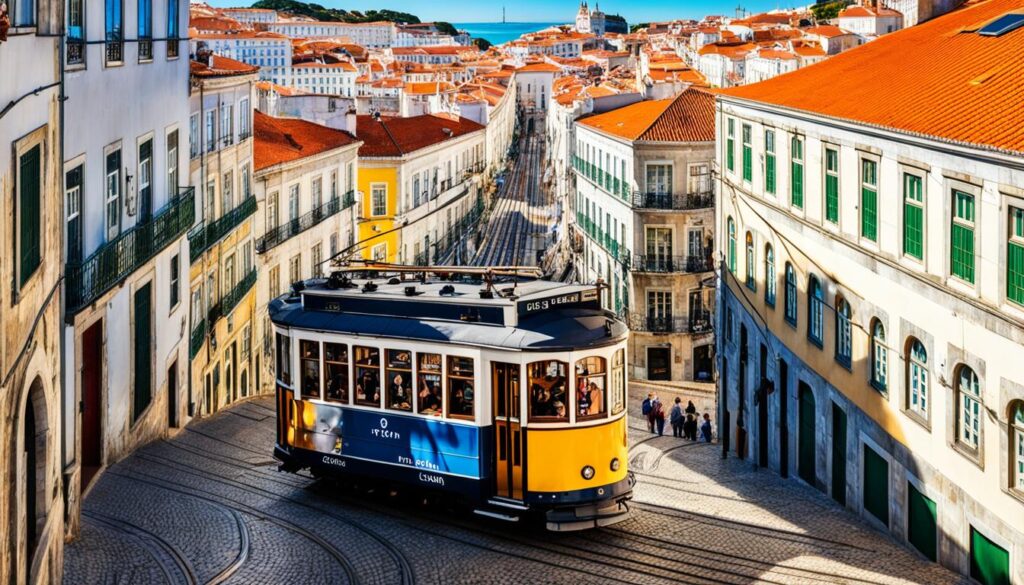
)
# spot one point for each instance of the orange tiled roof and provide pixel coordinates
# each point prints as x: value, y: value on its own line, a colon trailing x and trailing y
x: 689, y: 117
x: 281, y: 140
x: 827, y: 30
x: 222, y: 67
x: 949, y: 82
x: 858, y: 11
x: 539, y: 68
x: 400, y: 136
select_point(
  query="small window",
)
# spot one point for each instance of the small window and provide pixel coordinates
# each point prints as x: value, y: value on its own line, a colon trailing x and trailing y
x: 175, y: 292
x: 769, y: 161
x: 968, y: 390
x: 790, y: 294
x: 748, y: 154
x: 815, y: 306
x: 796, y: 184
x: 732, y: 245
x: 428, y: 384
x: 962, y: 237
x: 769, y: 275
x: 869, y: 200
x: 844, y: 340
x: 1015, y: 256
x: 751, y: 267
x: 879, y: 357
x: 399, y: 380
x: 618, y: 381
x: 367, y: 376
x: 284, y: 359
x: 461, y: 394
x: 913, y: 216
x: 832, y: 185
x: 1017, y: 444
x: 917, y: 378
x: 336, y: 364
x: 378, y: 200
x: 549, y: 401
x: 29, y: 212
x: 591, y: 388
x: 310, y: 351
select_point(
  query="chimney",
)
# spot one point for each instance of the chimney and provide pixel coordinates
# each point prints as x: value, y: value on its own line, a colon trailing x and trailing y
x: 350, y: 121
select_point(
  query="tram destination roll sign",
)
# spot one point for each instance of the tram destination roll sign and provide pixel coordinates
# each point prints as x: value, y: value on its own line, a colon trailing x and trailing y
x: 573, y: 299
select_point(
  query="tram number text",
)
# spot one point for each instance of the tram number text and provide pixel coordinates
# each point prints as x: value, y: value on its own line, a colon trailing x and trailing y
x: 545, y: 304
x: 333, y: 461
x: 385, y: 434
x: 418, y: 463
x: 429, y: 478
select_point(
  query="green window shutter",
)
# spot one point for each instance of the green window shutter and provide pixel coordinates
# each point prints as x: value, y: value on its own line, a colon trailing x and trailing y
x: 962, y: 252
x: 876, y: 485
x: 143, y: 391
x: 29, y: 247
x: 748, y: 163
x: 1015, y: 273
x: 921, y: 522
x: 990, y: 563
x: 769, y: 179
x: 913, y: 231
x: 869, y: 214
x: 730, y: 154
x: 797, y: 190
x: 832, y: 198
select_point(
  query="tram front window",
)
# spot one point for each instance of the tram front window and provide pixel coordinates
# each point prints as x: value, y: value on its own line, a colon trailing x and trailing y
x: 591, y: 385
x: 336, y: 363
x: 367, y: 376
x: 618, y: 381
x: 310, y: 352
x: 461, y: 395
x: 284, y: 359
x: 428, y: 384
x: 399, y: 379
x: 549, y: 401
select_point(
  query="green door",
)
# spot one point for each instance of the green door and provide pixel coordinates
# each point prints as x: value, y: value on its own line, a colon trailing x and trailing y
x: 838, y: 454
x: 876, y: 485
x: 143, y: 351
x: 990, y: 563
x: 921, y: 524
x: 806, y: 447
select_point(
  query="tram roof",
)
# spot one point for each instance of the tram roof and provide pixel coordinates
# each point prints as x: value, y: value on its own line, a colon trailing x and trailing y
x: 528, y: 315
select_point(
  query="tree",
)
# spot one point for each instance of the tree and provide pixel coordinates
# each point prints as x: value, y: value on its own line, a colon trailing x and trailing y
x: 321, y: 13
x: 828, y: 10
x: 445, y: 28
x: 482, y: 44
x: 639, y: 26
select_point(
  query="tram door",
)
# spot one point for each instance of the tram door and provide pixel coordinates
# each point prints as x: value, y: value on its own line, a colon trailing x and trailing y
x: 508, y: 432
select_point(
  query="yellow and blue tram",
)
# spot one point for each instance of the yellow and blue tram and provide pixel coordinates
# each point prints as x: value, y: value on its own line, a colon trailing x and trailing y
x: 510, y: 395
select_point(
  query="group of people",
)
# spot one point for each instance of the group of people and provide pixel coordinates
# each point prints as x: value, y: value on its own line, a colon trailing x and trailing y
x: 685, y: 422
x: 548, y: 401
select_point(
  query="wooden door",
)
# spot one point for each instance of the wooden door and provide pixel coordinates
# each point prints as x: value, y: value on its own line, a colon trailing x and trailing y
x: 508, y: 457
x: 92, y: 403
x: 807, y: 444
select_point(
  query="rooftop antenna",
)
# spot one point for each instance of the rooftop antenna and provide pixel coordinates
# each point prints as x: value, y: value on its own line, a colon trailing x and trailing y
x: 502, y: 15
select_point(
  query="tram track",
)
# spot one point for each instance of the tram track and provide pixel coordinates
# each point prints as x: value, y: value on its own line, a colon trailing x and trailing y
x: 171, y: 561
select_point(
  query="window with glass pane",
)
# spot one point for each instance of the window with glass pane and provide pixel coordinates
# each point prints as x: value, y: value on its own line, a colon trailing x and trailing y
x: 284, y: 359
x: 790, y: 294
x: 659, y: 179
x: 769, y: 275
x: 748, y: 154
x: 336, y: 370
x: 30, y: 180
x: 815, y: 306
x: 962, y: 237
x: 659, y: 310
x: 732, y: 245
x: 968, y: 390
x: 145, y: 29
x: 832, y: 185
x: 1015, y: 257
x: 428, y: 384
x: 172, y: 28
x: 310, y: 357
x: 1017, y: 443
x: 399, y: 380
x: 844, y: 341
x: 367, y: 381
x: 548, y: 382
x: 751, y: 268
x: 879, y: 357
x: 769, y: 161
x: 730, y: 148
x: 113, y: 202
x: 796, y: 183
x: 378, y: 199
x: 193, y: 136
x: 591, y: 388
x: 869, y: 199
x: 618, y: 395
x: 913, y: 216
x: 293, y: 202
x: 227, y: 195
x: 461, y: 392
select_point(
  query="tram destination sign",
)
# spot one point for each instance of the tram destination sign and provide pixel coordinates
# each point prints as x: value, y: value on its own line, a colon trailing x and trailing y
x: 588, y: 297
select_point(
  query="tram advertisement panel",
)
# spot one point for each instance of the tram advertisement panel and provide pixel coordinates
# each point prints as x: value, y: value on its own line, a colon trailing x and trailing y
x: 425, y: 444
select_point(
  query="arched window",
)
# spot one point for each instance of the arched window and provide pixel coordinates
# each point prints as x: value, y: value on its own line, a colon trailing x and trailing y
x: 790, y: 294
x: 769, y: 275
x: 968, y: 403
x: 815, y: 303
x: 879, y: 357
x: 917, y: 378
x: 1017, y: 444
x: 751, y: 268
x: 844, y: 340
x: 732, y: 246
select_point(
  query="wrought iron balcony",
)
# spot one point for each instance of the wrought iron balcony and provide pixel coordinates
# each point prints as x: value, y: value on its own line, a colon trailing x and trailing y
x: 118, y: 258
x: 204, y: 236
x: 458, y: 232
x: 196, y: 339
x: 673, y: 201
x: 115, y: 51
x: 293, y: 227
x: 669, y: 264
x: 699, y: 322
x: 232, y: 298
x: 75, y: 51
x: 145, y: 49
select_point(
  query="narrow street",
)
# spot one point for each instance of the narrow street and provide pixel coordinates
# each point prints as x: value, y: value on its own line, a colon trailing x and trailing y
x: 209, y: 506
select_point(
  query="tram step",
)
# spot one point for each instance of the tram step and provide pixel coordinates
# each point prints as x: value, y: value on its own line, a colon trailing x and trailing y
x: 508, y: 504
x: 497, y: 515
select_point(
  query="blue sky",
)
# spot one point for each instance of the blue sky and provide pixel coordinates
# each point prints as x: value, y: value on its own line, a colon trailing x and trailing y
x: 542, y: 10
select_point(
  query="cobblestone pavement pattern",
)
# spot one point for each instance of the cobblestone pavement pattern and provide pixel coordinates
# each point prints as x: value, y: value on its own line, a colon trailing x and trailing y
x: 209, y: 506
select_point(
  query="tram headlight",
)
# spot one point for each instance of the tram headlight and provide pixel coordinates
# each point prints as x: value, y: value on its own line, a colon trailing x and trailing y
x: 615, y: 464
x: 587, y: 472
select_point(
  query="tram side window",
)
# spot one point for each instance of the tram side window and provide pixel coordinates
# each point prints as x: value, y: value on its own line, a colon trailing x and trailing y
x: 336, y: 363
x: 284, y: 359
x: 367, y: 376
x: 549, y: 401
x: 460, y: 387
x: 399, y: 379
x: 591, y: 388
x: 428, y: 384
x: 310, y: 352
x: 618, y: 381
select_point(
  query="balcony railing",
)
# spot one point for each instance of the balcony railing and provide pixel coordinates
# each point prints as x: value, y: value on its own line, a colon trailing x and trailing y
x: 458, y: 232
x: 75, y: 51
x: 699, y: 322
x: 293, y: 227
x: 203, y: 237
x: 115, y: 51
x: 604, y: 180
x: 231, y: 300
x: 196, y: 339
x: 667, y: 264
x: 673, y: 201
x: 118, y: 258
x: 603, y: 239
x: 145, y: 49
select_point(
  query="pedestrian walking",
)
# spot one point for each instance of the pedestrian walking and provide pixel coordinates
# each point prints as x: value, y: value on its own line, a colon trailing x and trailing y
x: 646, y: 410
x: 705, y: 428
x: 658, y: 415
x: 675, y: 418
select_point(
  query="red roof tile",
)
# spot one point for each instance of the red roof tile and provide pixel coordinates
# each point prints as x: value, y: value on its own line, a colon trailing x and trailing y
x: 689, y: 117
x: 281, y: 140
x: 222, y: 67
x: 399, y: 136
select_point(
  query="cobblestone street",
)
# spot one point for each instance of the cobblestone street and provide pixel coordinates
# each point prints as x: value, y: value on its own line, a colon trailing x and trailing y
x: 209, y: 507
